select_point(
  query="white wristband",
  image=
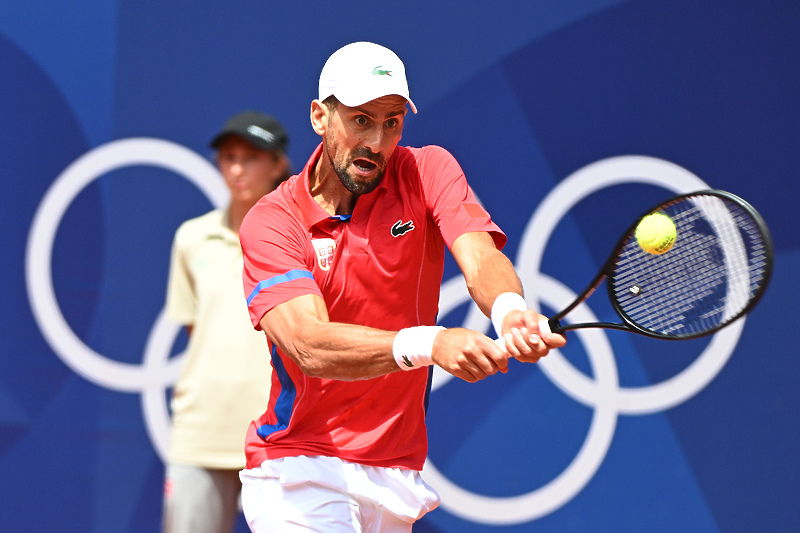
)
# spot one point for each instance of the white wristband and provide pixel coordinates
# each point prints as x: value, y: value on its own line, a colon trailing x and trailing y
x: 503, y: 304
x: 413, y: 346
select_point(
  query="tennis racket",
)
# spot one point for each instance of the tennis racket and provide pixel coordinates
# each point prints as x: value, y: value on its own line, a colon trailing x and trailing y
x: 716, y: 271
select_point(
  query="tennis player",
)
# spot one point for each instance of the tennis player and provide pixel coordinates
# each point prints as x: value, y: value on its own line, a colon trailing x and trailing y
x: 342, y: 271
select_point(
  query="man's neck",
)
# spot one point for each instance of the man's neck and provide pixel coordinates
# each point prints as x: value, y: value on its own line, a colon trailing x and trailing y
x: 327, y: 190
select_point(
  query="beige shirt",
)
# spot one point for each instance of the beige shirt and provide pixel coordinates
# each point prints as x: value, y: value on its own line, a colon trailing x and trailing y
x: 225, y: 381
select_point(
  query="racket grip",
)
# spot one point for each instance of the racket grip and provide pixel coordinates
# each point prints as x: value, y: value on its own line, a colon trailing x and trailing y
x: 544, y: 326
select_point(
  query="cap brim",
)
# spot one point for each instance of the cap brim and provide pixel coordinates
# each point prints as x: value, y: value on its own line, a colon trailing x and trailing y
x: 254, y: 140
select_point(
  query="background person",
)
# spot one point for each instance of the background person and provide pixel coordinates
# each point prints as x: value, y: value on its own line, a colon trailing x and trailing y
x: 342, y: 271
x: 225, y: 380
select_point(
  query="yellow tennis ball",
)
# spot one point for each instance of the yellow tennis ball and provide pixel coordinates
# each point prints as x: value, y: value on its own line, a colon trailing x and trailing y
x: 656, y: 233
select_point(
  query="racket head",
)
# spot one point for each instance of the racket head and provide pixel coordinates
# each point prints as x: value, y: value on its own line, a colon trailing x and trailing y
x: 716, y: 271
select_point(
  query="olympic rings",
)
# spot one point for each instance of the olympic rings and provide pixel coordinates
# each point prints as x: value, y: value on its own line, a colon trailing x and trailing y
x: 158, y: 372
x: 602, y: 392
x: 605, y: 173
x: 573, y: 479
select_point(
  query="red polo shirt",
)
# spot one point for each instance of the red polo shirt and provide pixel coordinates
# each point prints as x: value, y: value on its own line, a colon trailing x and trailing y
x: 382, y: 267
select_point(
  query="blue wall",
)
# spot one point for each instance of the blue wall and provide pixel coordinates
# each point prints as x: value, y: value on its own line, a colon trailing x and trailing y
x: 106, y: 109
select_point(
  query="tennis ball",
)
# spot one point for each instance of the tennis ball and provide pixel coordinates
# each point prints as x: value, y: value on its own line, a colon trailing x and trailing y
x: 656, y: 233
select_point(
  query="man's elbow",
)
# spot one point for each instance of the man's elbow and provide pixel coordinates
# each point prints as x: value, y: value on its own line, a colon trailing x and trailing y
x: 307, y: 359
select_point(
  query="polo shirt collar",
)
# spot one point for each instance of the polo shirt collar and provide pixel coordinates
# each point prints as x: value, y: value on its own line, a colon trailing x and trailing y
x: 221, y: 230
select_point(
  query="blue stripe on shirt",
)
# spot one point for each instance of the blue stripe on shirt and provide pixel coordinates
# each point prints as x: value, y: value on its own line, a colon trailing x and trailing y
x: 283, y: 278
x: 285, y: 402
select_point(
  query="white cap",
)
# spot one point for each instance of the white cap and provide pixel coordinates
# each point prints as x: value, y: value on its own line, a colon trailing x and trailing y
x: 361, y: 72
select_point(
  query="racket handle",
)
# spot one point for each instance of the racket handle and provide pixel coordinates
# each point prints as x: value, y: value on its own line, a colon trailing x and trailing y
x: 544, y: 326
x: 555, y: 326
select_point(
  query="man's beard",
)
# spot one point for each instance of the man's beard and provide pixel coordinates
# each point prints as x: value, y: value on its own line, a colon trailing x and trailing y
x: 359, y: 187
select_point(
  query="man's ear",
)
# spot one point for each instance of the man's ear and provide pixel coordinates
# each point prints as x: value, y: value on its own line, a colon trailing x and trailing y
x: 319, y: 117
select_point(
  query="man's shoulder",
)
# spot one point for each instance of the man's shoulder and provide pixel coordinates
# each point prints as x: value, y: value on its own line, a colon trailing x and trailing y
x: 277, y: 210
x: 278, y: 201
x: 423, y: 164
x: 421, y: 153
x: 427, y: 159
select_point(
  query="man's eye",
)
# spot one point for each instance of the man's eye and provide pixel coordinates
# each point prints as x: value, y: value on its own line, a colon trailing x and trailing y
x: 391, y: 123
x: 361, y: 120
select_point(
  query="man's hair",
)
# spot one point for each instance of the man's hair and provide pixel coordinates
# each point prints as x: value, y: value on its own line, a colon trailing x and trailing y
x: 331, y: 103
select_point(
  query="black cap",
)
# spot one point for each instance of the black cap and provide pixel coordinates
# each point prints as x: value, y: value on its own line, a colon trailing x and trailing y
x: 262, y: 131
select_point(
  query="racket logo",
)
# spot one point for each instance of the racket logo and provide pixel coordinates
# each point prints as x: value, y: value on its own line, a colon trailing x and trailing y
x: 401, y: 228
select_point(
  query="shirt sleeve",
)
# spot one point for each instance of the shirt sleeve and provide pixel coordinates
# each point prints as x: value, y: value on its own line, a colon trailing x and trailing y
x: 451, y: 201
x: 181, y: 301
x: 276, y: 269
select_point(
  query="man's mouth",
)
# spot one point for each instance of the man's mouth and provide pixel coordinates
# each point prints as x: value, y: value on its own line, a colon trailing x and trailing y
x: 364, y: 165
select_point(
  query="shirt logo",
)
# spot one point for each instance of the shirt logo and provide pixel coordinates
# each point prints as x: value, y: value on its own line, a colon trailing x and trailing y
x: 324, y: 250
x: 378, y: 71
x: 401, y: 228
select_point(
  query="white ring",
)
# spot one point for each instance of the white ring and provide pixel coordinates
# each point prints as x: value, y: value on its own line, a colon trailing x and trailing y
x: 156, y: 360
x: 571, y: 190
x: 596, y: 393
x: 158, y: 371
x: 59, y: 335
x: 559, y: 491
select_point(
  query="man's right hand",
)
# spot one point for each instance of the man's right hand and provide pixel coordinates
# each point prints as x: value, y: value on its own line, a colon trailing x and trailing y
x: 468, y: 354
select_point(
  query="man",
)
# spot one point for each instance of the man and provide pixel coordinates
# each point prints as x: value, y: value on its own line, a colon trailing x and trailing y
x: 224, y: 383
x: 342, y: 271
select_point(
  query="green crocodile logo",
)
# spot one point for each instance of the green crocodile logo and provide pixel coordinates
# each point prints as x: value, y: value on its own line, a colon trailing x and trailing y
x: 378, y: 71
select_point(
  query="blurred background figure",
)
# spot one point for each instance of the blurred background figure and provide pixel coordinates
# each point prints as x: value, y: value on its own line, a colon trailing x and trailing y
x: 225, y: 381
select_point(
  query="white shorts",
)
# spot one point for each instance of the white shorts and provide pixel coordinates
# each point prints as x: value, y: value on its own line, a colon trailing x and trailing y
x: 327, y: 494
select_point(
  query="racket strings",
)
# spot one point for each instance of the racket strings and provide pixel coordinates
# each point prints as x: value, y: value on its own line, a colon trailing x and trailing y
x: 714, y: 269
x: 656, y: 298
